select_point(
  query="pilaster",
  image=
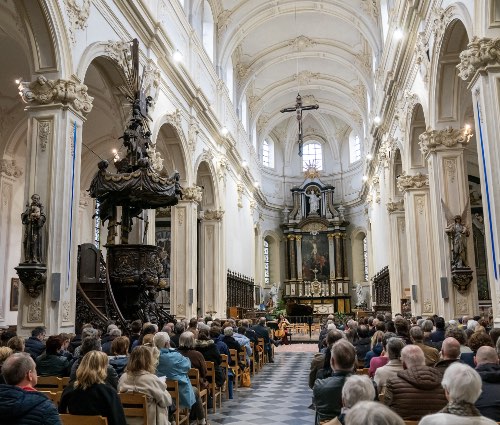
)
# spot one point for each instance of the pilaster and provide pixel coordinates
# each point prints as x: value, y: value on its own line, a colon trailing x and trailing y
x: 56, y: 112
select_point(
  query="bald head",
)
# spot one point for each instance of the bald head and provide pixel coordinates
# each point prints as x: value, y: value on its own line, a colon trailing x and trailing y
x: 486, y: 355
x: 450, y: 349
x: 412, y: 356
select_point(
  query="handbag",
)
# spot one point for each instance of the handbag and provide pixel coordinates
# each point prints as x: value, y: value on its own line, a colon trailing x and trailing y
x: 245, y: 378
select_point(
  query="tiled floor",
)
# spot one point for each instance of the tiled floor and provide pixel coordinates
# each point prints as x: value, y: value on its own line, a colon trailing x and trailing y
x: 279, y: 395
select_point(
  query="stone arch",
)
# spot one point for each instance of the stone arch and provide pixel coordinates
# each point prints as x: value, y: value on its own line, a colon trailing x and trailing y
x: 415, y: 161
x: 274, y: 256
x: 357, y: 251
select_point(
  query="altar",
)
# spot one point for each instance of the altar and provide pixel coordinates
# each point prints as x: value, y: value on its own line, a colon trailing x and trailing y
x: 316, y: 271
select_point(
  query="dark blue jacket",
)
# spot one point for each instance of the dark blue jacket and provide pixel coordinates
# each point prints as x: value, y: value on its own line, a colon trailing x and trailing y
x: 18, y: 406
x: 34, y: 347
x: 488, y: 402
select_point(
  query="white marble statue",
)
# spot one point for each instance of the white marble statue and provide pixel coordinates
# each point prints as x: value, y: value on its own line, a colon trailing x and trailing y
x: 360, y: 294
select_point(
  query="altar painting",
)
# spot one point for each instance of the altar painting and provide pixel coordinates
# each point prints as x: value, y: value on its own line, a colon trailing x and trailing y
x: 315, y: 252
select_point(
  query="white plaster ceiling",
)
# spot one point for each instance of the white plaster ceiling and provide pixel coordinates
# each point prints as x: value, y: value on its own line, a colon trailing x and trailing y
x: 324, y: 49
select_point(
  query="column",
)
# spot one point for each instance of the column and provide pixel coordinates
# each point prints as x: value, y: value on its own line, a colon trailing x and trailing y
x: 184, y: 259
x: 449, y: 194
x: 338, y: 255
x: 293, y: 262
x: 419, y: 243
x: 298, y: 240
x: 398, y: 258
x: 212, y: 294
x: 479, y: 66
x: 331, y: 259
x: 56, y: 112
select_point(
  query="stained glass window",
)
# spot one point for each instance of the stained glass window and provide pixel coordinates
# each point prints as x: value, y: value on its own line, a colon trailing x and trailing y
x: 267, y: 154
x: 312, y: 155
x: 266, y: 262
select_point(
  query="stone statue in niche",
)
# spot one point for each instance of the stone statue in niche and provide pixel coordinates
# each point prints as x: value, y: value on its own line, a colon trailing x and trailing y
x: 273, y: 295
x: 458, y: 232
x: 33, y: 219
x: 313, y: 201
x: 360, y: 295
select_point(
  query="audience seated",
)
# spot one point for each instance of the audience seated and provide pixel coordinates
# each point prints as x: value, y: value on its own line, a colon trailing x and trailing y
x: 179, y: 329
x: 439, y: 334
x: 450, y: 353
x: 383, y: 359
x: 112, y: 335
x: 16, y: 343
x: 488, y: 368
x: 402, y: 329
x: 321, y: 366
x: 187, y: 349
x: 51, y: 363
x: 90, y: 394
x: 34, y: 345
x: 135, y: 332
x: 262, y: 331
x: 476, y: 340
x: 327, y: 393
x: 462, y: 386
x: 87, y: 332
x: 210, y: 353
x: 460, y: 335
x: 372, y: 413
x: 193, y: 327
x: 119, y: 351
x: 393, y: 366
x: 362, y: 344
x: 415, y: 391
x: 244, y: 343
x: 376, y: 347
x: 147, y: 329
x: 20, y: 403
x: 139, y: 377
x: 430, y: 353
x: 357, y: 388
x: 5, y: 352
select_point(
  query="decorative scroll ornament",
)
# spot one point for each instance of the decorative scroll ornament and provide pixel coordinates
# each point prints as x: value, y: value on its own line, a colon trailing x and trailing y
x: 9, y: 168
x: 301, y: 43
x: 480, y: 53
x: 240, y: 188
x: 417, y: 181
x: 43, y: 134
x: 430, y: 139
x: 119, y: 51
x: 45, y: 92
x: 78, y: 13
x: 213, y: 215
x: 193, y: 193
x: 395, y: 206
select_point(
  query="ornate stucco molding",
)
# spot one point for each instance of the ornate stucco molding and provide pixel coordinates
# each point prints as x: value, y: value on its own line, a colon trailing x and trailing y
x: 480, y: 53
x: 193, y: 193
x: 240, y: 188
x: 393, y: 207
x: 9, y: 168
x: 213, y: 215
x: 408, y: 182
x: 45, y: 92
x: 430, y: 140
x: 385, y: 150
x: 301, y: 43
x: 78, y: 13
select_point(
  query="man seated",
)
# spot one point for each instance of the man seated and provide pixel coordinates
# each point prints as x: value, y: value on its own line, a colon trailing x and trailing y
x: 51, y: 363
x: 415, y: 391
x: 327, y: 393
x: 20, y: 403
x: 430, y: 353
x: 262, y: 331
x: 393, y: 366
x: 487, y: 366
x: 450, y: 353
x: 34, y: 345
x: 320, y: 364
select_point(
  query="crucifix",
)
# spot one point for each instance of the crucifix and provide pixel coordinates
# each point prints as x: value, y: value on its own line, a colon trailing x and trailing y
x: 299, y: 108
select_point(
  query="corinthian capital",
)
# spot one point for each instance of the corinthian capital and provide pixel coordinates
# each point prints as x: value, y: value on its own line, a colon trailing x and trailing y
x: 408, y: 182
x: 193, y: 193
x: 213, y: 215
x: 430, y: 139
x: 480, y: 53
x: 46, y: 92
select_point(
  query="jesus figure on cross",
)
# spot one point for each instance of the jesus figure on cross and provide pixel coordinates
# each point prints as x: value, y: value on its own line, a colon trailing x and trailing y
x: 299, y: 108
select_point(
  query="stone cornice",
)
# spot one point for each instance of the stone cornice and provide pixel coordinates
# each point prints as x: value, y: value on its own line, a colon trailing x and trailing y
x: 393, y: 207
x: 193, y: 193
x: 430, y: 140
x: 480, y: 53
x: 409, y: 182
x: 45, y: 92
x: 213, y: 215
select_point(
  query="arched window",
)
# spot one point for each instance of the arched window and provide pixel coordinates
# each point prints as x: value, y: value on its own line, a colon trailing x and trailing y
x: 244, y: 116
x: 365, y: 258
x: 267, y: 270
x: 312, y: 155
x: 268, y: 154
x: 208, y: 30
x: 229, y: 79
x: 354, y: 148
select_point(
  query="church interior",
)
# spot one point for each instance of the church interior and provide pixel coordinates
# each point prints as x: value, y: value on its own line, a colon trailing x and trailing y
x: 233, y: 157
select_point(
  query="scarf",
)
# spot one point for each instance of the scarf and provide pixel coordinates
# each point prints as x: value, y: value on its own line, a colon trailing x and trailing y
x: 460, y: 408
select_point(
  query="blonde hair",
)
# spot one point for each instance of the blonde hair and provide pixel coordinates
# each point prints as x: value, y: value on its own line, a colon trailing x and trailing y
x: 93, y: 369
x: 148, y: 339
x: 5, y: 352
x: 141, y: 359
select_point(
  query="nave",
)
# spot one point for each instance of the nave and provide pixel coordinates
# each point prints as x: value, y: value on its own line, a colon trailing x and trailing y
x: 279, y: 395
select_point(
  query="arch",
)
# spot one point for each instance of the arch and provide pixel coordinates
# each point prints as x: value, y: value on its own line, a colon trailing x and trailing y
x: 273, y: 240
x: 359, y: 250
x: 414, y: 157
x: 396, y: 170
x: 205, y: 178
x: 110, y: 50
x: 208, y: 30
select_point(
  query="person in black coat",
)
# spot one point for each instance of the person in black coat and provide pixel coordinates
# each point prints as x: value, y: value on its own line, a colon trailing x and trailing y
x: 20, y: 403
x: 262, y: 331
x: 208, y: 349
x: 51, y: 363
x: 89, y: 394
x: 362, y: 345
x: 488, y: 368
x: 34, y: 345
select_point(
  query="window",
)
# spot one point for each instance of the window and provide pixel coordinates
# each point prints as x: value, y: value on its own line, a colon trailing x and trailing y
x: 229, y: 80
x: 312, y: 156
x: 97, y: 226
x: 208, y: 30
x: 354, y: 148
x: 244, y: 112
x: 365, y: 258
x: 268, y: 154
x: 266, y: 262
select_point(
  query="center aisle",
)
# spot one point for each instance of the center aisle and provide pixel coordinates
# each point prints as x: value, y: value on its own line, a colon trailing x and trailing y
x: 279, y: 395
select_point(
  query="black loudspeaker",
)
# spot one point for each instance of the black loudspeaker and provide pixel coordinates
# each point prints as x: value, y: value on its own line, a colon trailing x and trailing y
x: 414, y: 293
x: 190, y: 296
x: 56, y: 287
x: 444, y: 288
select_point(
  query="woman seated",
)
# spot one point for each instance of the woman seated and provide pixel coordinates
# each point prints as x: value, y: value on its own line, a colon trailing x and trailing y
x: 51, y: 363
x: 139, y: 377
x: 89, y: 394
x: 119, y: 351
x: 187, y: 349
x: 210, y: 353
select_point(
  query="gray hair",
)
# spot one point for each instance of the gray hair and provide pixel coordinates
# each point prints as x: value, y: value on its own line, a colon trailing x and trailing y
x: 372, y: 413
x: 94, y: 333
x: 111, y: 327
x: 357, y: 388
x: 115, y: 332
x: 228, y: 331
x: 394, y: 347
x: 462, y: 383
x: 412, y: 355
x: 16, y: 366
x: 186, y: 340
x: 161, y: 339
x: 471, y: 324
x: 427, y: 326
